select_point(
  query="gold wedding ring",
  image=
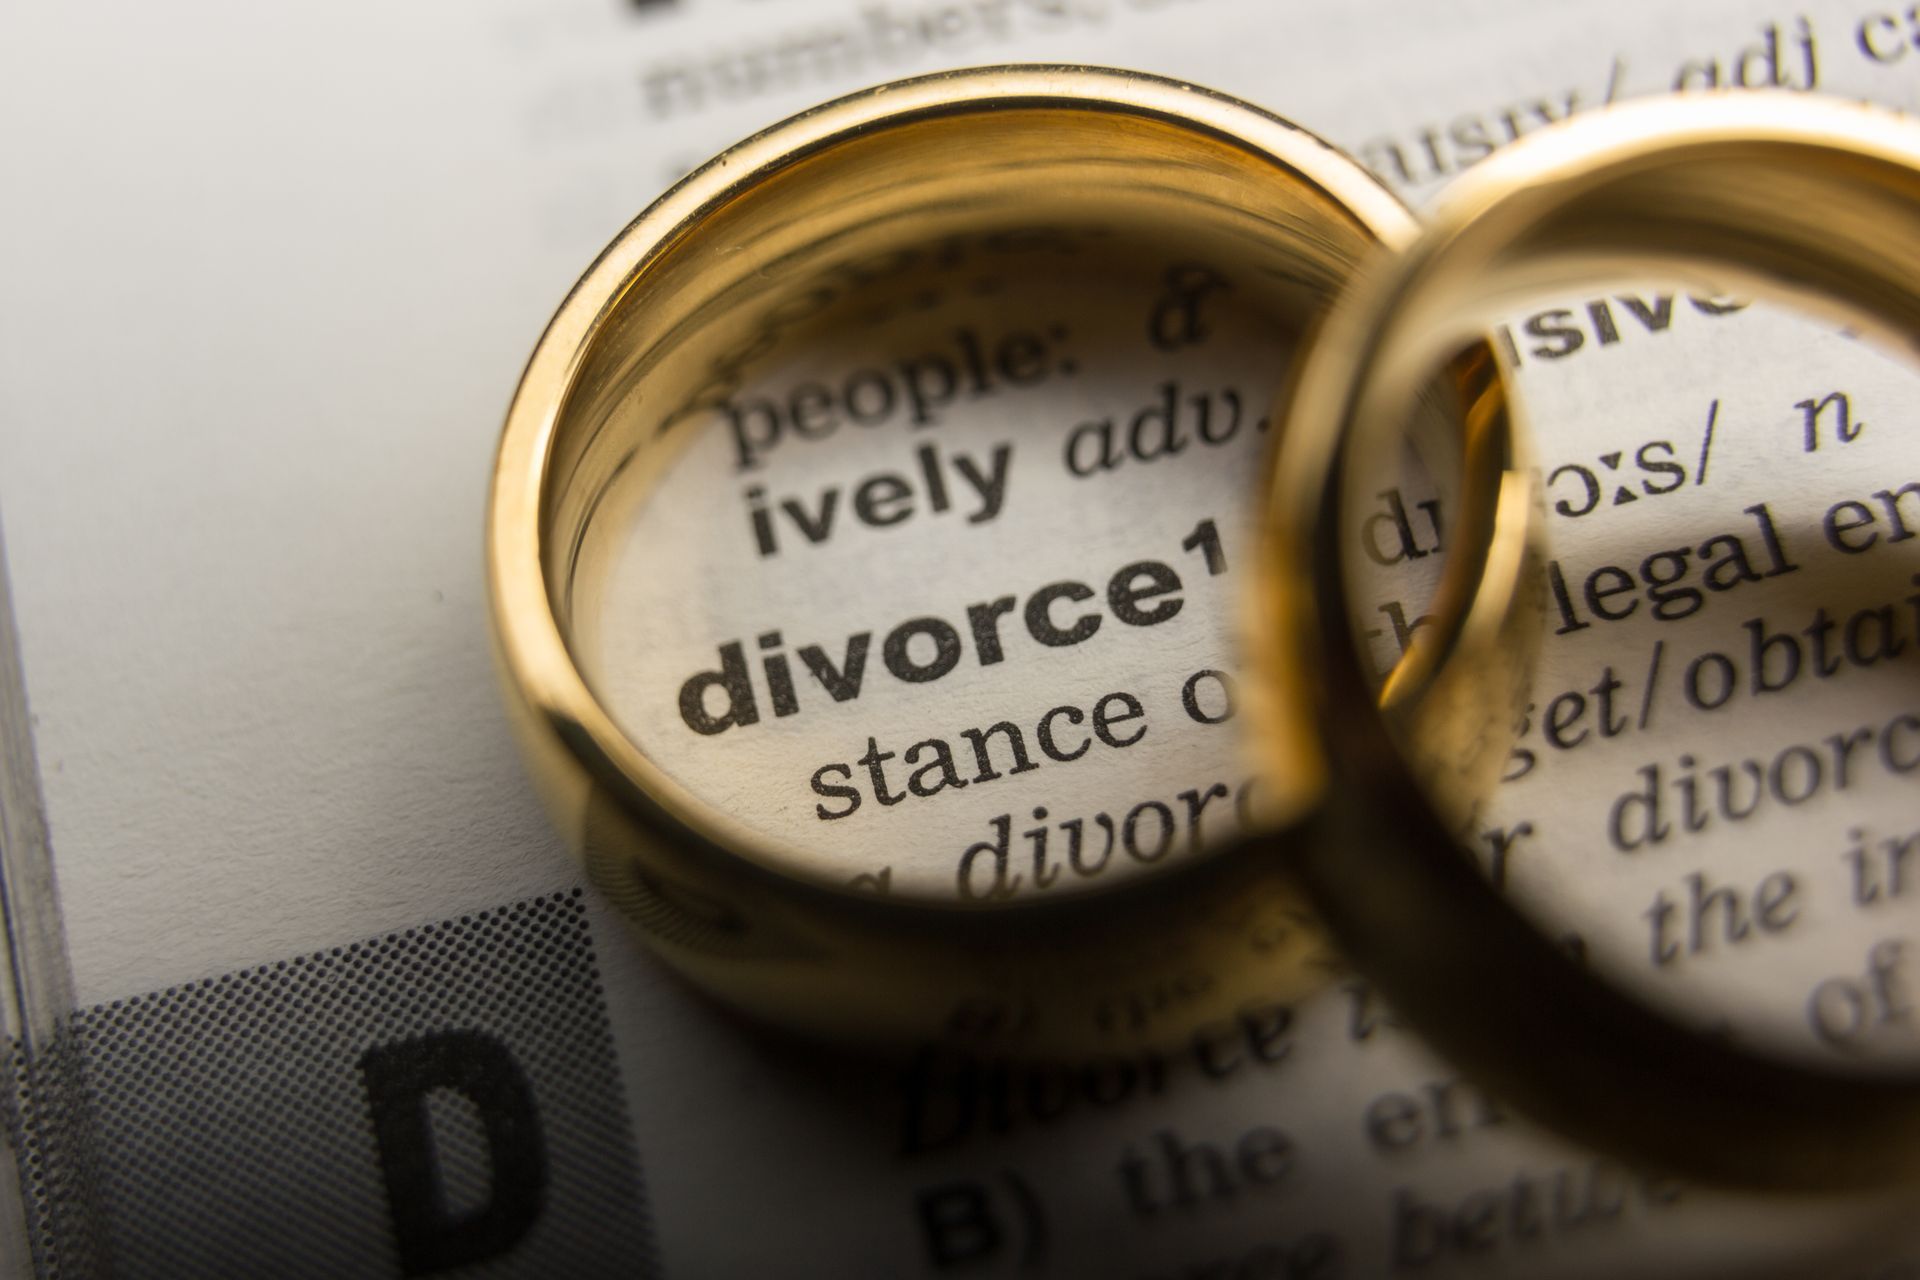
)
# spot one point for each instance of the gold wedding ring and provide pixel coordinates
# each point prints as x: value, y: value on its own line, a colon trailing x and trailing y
x: 775, y: 239
x: 778, y: 239
x: 1816, y: 202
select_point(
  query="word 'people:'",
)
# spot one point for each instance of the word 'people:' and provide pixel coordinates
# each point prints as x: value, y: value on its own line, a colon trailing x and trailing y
x: 915, y: 389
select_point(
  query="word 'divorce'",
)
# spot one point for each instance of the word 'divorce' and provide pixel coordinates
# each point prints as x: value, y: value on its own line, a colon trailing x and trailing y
x: 922, y: 650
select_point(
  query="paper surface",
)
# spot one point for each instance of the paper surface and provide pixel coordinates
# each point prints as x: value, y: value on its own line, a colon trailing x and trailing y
x: 271, y: 276
x: 989, y: 601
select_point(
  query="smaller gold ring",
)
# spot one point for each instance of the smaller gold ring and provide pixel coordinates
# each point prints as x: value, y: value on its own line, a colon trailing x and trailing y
x: 1814, y: 201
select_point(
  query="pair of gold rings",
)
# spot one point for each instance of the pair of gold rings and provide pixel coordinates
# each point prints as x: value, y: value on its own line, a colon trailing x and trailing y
x: 1819, y: 202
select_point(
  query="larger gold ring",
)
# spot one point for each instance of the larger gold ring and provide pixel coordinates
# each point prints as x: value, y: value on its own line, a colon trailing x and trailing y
x: 1818, y: 202
x: 763, y: 240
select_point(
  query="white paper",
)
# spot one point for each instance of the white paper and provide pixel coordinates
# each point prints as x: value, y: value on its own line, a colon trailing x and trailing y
x: 271, y: 277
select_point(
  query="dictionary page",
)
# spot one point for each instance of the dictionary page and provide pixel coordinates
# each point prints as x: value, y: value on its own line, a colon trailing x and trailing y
x: 344, y: 1004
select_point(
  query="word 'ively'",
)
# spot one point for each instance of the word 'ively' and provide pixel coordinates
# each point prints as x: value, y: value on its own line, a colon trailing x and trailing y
x: 886, y: 498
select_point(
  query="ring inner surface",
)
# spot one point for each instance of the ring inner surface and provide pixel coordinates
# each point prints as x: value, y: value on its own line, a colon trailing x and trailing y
x: 770, y: 569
